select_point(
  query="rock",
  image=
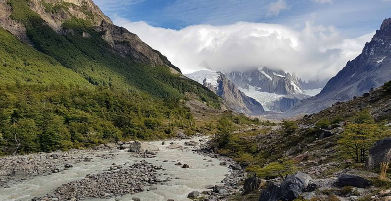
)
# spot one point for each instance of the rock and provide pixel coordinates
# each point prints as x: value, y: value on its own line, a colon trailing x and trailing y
x: 380, y: 152
x: 67, y: 166
x: 54, y: 156
x: 136, y: 199
x: 322, y: 133
x: 179, y: 163
x: 193, y: 195
x: 124, y: 146
x: 223, y: 163
x: 56, y: 170
x: 153, y: 188
x: 290, y: 189
x: 311, y: 187
x: 181, y: 135
x: 185, y: 166
x: 135, y: 147
x: 223, y: 191
x: 174, y: 146
x: 251, y: 184
x: 353, y: 180
x: 191, y: 144
x: 141, y: 147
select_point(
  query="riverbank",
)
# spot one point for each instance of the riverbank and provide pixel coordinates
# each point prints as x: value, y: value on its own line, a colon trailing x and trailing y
x: 181, y: 168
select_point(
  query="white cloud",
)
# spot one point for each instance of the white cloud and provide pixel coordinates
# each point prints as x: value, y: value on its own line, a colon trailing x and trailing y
x: 326, y: 1
x: 276, y: 7
x: 314, y: 52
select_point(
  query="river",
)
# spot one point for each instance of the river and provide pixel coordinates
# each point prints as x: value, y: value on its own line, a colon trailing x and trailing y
x: 203, y: 171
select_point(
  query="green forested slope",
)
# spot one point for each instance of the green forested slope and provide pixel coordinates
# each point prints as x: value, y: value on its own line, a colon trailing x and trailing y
x: 70, y: 91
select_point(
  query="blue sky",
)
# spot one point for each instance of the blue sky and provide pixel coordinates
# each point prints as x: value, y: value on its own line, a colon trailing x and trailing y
x: 352, y: 17
x: 311, y: 38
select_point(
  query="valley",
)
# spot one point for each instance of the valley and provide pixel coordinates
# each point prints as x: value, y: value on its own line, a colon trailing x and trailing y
x: 89, y: 111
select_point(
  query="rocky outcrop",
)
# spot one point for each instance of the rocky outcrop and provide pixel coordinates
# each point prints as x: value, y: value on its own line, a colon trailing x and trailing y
x: 368, y: 70
x: 379, y: 153
x: 290, y: 189
x: 17, y: 29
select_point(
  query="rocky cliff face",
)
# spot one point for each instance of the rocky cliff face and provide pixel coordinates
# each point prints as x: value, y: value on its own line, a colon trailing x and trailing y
x: 232, y: 96
x: 276, y: 90
x: 266, y: 80
x: 56, y: 12
x: 370, y: 69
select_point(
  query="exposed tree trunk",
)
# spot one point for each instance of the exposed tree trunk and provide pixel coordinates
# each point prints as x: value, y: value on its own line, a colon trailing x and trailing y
x: 357, y: 155
x: 383, y: 170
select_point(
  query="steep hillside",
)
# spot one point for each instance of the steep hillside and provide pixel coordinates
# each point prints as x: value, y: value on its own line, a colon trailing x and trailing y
x: 65, y: 63
x: 224, y: 88
x: 369, y: 70
x: 325, y: 146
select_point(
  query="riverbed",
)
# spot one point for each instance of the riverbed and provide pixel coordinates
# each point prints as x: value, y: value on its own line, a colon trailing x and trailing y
x: 203, y: 171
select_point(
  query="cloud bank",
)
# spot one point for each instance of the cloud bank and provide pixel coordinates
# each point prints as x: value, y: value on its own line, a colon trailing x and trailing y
x: 313, y: 52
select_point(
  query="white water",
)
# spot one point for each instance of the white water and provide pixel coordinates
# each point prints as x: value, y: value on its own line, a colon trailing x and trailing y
x: 200, y: 174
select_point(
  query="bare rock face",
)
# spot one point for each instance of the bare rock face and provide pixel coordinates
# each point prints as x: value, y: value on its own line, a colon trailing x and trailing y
x: 235, y: 98
x: 16, y: 28
x: 379, y: 153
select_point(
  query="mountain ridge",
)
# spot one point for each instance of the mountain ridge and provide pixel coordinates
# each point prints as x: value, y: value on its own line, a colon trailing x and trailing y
x: 224, y: 88
x: 367, y: 71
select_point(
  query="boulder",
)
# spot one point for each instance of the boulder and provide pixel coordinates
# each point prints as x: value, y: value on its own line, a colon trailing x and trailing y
x: 193, y: 195
x: 322, y: 133
x: 67, y: 166
x: 181, y: 135
x: 251, y: 184
x: 185, y: 166
x: 174, y: 146
x: 352, y: 180
x: 379, y: 152
x: 290, y: 189
x: 191, y: 143
x: 141, y: 147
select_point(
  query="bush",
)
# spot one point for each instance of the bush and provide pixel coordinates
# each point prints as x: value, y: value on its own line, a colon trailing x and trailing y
x: 274, y: 169
x: 289, y: 127
x: 322, y: 124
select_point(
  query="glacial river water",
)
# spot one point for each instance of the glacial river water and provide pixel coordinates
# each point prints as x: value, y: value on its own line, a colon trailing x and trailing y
x: 201, y: 173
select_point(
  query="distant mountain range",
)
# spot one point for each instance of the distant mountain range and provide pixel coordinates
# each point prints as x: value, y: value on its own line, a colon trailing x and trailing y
x: 275, y: 90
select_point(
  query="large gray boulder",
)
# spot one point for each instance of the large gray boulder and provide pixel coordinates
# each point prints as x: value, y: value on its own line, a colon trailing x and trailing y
x: 141, y: 147
x: 291, y: 188
x: 380, y: 152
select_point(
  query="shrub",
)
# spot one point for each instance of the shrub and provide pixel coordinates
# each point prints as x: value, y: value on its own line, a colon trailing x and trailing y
x: 289, y: 127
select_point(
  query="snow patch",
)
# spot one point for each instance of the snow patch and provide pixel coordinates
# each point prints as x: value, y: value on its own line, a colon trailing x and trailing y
x: 266, y: 99
x: 296, y: 88
x: 381, y: 60
x: 312, y: 92
x: 268, y: 76
x: 210, y: 76
x: 278, y: 75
